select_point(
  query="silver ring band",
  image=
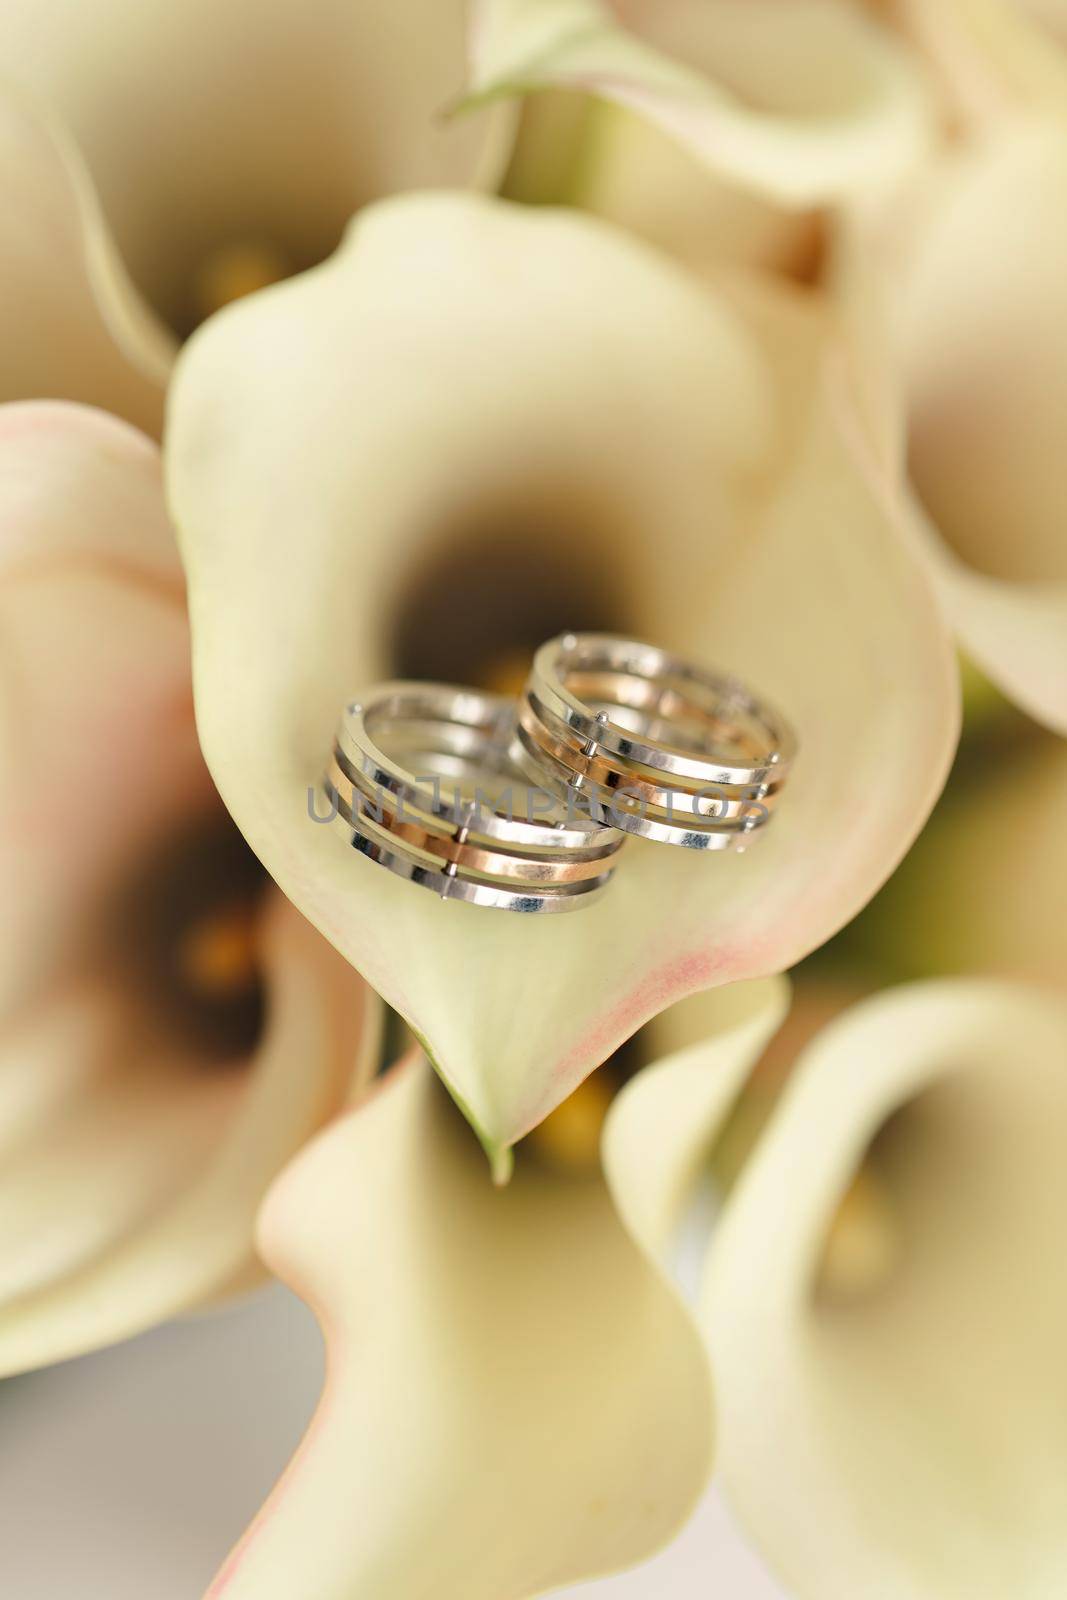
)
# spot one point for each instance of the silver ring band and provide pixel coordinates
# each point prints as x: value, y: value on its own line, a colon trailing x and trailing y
x: 538, y: 857
x: 675, y: 753
x: 662, y: 825
x: 557, y: 663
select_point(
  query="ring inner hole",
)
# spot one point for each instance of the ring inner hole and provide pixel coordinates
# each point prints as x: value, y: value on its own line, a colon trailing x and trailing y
x: 672, y: 711
x: 467, y: 756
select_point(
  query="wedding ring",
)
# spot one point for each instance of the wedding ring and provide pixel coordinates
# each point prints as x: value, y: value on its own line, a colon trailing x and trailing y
x: 655, y: 745
x: 421, y: 781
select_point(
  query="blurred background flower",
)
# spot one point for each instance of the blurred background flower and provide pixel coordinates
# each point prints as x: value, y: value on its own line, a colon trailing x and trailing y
x: 962, y: 276
x: 74, y: 327
x: 907, y: 1442
x: 229, y: 147
x: 172, y: 1031
x: 801, y: 100
x: 538, y: 1324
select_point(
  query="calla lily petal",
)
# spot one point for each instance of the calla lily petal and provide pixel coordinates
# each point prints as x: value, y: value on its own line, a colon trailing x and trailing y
x: 984, y: 351
x: 663, y: 1123
x: 74, y: 327
x: 908, y: 1444
x: 130, y: 1167
x: 130, y: 1185
x: 803, y: 100
x: 458, y: 356
x: 272, y: 121
x: 1051, y: 15
x: 94, y: 659
x: 479, y: 1329
x: 613, y: 163
x: 997, y: 56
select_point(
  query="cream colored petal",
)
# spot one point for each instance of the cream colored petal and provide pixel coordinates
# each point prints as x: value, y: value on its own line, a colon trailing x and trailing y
x: 910, y: 1444
x: 72, y: 327
x: 263, y: 123
x: 82, y: 487
x: 1050, y: 15
x: 98, y: 751
x: 507, y: 1370
x: 131, y: 1175
x: 708, y: 1555
x: 504, y: 1369
x: 984, y: 345
x: 92, y: 1140
x: 130, y: 1166
x: 607, y: 160
x: 460, y: 359
x: 1018, y: 635
x: 803, y: 100
x: 663, y: 1123
x: 997, y: 57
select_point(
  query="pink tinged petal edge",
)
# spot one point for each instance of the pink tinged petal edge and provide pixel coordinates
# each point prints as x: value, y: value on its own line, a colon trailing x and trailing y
x: 652, y: 994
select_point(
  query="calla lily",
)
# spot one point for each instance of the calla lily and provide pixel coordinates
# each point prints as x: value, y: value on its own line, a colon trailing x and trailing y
x: 73, y: 325
x: 530, y: 422
x: 230, y: 146
x: 492, y: 1348
x: 979, y: 282
x: 801, y: 100
x: 145, y: 1105
x: 907, y: 1444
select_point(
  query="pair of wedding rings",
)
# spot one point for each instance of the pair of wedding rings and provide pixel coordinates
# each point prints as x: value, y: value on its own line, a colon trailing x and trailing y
x: 524, y: 808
